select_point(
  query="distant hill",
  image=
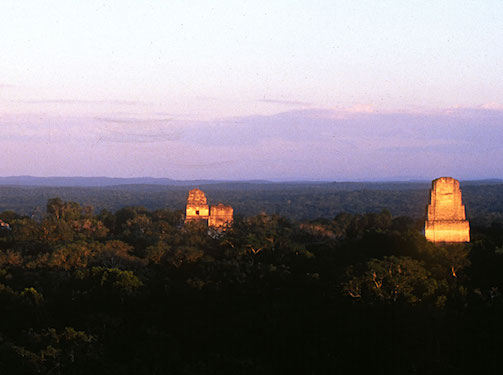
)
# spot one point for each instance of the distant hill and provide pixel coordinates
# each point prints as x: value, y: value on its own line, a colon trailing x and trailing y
x: 296, y: 200
x: 220, y: 184
x: 94, y: 181
x: 151, y: 182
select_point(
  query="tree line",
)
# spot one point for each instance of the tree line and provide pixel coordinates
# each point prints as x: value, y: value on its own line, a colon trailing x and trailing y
x: 299, y: 201
x: 137, y: 291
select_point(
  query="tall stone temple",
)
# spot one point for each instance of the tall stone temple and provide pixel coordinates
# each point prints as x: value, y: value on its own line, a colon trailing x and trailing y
x: 446, y: 220
x: 197, y: 206
x: 218, y: 217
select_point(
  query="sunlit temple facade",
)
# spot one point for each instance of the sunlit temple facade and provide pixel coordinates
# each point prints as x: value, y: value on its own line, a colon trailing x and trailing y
x: 197, y: 209
x: 446, y: 219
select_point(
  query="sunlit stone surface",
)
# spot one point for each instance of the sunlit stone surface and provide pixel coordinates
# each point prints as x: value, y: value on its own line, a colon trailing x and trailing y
x: 446, y: 220
x: 219, y: 217
x: 197, y: 206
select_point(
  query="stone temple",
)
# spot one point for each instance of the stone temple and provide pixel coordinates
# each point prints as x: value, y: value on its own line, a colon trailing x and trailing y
x: 218, y: 217
x: 197, y: 206
x: 446, y: 220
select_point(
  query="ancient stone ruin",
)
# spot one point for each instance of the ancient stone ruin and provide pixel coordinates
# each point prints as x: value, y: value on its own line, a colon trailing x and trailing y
x: 446, y: 220
x: 221, y: 216
x: 218, y: 217
x: 197, y: 206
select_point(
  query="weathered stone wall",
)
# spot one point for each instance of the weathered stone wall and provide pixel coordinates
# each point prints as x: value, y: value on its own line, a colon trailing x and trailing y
x: 197, y: 206
x: 221, y: 216
x: 447, y: 231
x: 446, y: 220
x: 446, y: 203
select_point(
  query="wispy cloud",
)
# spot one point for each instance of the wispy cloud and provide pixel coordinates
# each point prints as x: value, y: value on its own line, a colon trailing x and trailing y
x: 493, y: 106
x: 132, y: 120
x: 203, y: 165
x: 290, y: 103
x: 138, y: 137
x: 82, y: 101
x: 137, y: 130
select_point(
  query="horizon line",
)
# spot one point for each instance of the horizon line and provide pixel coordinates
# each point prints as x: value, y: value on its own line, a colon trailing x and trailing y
x: 270, y: 180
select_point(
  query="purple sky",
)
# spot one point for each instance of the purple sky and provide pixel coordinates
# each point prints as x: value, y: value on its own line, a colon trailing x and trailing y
x: 330, y: 90
x: 302, y: 143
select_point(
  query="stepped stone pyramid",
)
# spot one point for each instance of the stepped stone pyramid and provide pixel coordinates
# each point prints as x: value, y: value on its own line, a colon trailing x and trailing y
x: 446, y: 220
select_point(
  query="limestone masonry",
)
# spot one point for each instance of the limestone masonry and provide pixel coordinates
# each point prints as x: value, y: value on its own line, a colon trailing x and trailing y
x: 219, y: 216
x: 197, y: 206
x: 446, y: 220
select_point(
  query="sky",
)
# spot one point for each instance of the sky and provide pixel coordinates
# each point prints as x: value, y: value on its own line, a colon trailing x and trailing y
x: 323, y: 90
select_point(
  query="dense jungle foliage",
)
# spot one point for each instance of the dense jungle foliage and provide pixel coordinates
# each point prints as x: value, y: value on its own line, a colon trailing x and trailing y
x: 137, y: 292
x: 296, y: 201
